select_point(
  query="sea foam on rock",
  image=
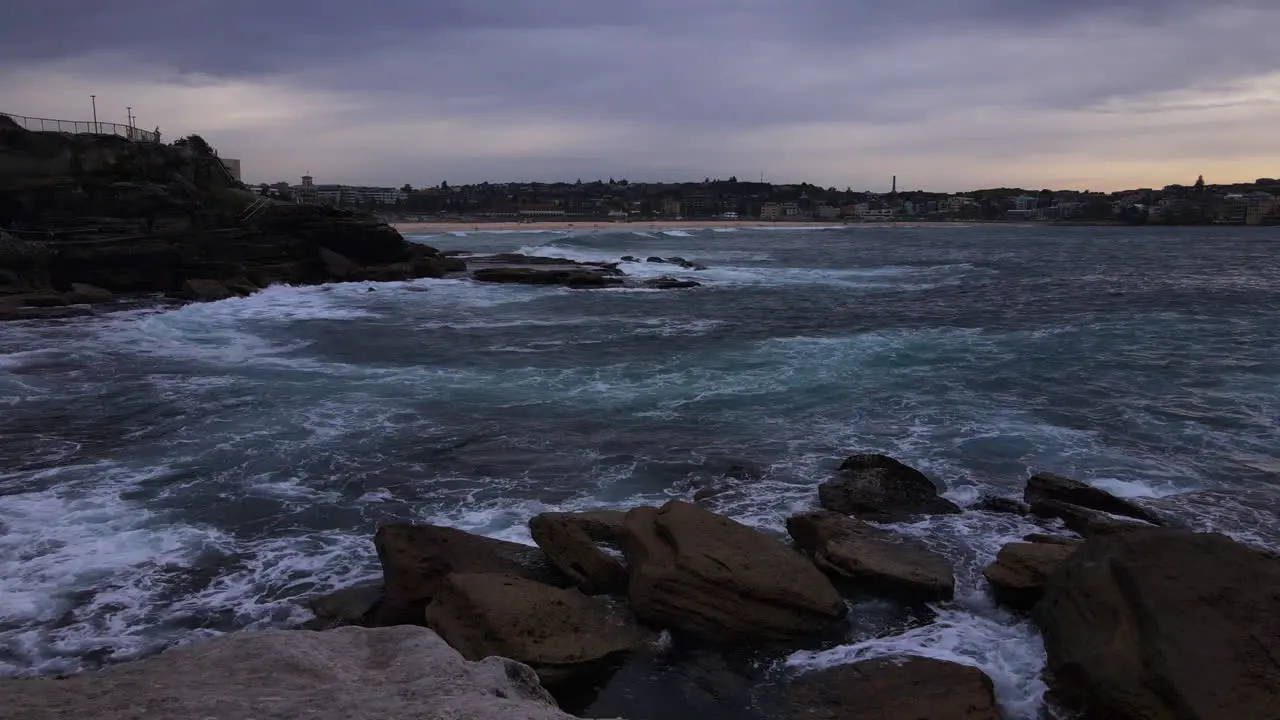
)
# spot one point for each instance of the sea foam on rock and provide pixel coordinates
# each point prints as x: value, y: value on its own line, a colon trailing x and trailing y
x: 345, y: 674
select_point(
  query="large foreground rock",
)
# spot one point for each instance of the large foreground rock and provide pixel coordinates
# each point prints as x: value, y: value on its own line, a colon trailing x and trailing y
x: 706, y: 575
x: 877, y: 487
x: 1021, y: 570
x: 872, y: 559
x: 347, y: 674
x: 1165, y: 625
x: 894, y: 688
x: 572, y: 543
x: 562, y: 634
x: 417, y: 558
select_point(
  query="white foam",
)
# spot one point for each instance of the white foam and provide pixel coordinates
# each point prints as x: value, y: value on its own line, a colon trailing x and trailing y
x: 80, y: 537
x: 1009, y: 651
x: 676, y: 233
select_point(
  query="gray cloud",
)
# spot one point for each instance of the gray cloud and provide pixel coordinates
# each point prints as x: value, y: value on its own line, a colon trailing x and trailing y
x: 668, y: 84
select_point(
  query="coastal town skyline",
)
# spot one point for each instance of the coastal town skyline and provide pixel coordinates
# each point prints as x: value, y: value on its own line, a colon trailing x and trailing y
x: 947, y: 95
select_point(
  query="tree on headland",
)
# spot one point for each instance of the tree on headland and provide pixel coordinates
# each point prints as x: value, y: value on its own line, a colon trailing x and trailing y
x: 406, y: 188
x: 444, y: 185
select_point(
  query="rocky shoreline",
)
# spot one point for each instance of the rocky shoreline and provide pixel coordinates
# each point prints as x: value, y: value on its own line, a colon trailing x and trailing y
x: 89, y: 221
x: 1141, y: 618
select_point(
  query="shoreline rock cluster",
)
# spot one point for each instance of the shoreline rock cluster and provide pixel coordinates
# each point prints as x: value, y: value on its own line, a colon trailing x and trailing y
x: 1142, y: 620
x: 1129, y: 602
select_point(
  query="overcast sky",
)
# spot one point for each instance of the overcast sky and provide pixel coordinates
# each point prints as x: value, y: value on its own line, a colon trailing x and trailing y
x: 947, y: 94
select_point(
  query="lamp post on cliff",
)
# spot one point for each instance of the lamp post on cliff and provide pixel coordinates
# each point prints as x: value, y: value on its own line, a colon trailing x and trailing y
x: 129, y: 114
x: 94, y: 99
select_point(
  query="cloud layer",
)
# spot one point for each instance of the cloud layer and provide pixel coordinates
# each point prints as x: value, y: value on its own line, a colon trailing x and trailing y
x: 947, y: 94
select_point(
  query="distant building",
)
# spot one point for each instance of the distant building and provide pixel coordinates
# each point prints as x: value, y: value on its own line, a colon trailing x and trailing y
x: 308, y: 193
x: 828, y: 212
x: 671, y: 206
x: 305, y: 194
x: 770, y: 211
x: 233, y: 167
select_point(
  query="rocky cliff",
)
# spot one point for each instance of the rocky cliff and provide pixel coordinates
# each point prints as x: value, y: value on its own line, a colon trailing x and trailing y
x: 83, y: 217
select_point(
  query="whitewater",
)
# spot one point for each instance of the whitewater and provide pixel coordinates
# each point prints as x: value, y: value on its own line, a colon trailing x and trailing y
x: 168, y: 474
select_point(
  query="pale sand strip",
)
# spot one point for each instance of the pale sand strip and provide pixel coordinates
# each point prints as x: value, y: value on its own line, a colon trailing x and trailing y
x: 429, y: 227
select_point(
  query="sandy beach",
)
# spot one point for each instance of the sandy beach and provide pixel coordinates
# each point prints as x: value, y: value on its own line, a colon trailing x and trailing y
x: 605, y: 225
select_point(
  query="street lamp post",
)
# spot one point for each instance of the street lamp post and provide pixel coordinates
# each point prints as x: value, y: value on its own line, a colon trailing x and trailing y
x: 94, y: 99
x: 129, y: 114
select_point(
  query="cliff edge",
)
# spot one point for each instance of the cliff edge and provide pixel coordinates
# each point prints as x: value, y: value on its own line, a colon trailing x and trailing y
x: 85, y: 217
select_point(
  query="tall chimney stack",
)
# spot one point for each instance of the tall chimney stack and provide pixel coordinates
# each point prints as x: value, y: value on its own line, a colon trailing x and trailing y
x: 895, y: 183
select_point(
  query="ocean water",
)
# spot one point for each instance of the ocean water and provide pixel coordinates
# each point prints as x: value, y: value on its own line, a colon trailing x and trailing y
x: 172, y: 474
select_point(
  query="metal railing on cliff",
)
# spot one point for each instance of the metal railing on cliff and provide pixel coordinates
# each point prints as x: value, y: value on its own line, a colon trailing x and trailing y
x: 83, y: 127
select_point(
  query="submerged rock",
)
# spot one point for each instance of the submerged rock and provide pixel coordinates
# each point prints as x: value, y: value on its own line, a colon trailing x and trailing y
x: 570, y: 543
x: 716, y: 579
x: 1020, y: 571
x: 1164, y: 624
x: 873, y: 560
x: 563, y: 635
x: 894, y: 688
x: 416, y: 559
x: 574, y: 278
x: 670, y: 283
x: 877, y: 487
x: 348, y: 674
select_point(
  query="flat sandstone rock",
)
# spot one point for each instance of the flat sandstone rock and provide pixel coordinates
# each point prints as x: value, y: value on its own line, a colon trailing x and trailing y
x: 346, y: 674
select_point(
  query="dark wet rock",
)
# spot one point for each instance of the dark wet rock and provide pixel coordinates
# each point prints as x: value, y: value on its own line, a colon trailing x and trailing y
x: 242, y: 287
x: 205, y: 290
x: 894, y: 688
x: 670, y: 283
x: 391, y: 272
x: 877, y: 487
x: 871, y: 559
x: 655, y: 259
x: 348, y: 674
x: 1052, y: 539
x: 48, y: 300
x: 630, y: 258
x: 1050, y: 490
x: 1085, y: 521
x: 350, y: 606
x: 1164, y: 624
x: 563, y: 635
x: 338, y: 267
x: 1020, y: 571
x: 417, y: 558
x: 997, y: 504
x: 17, y: 312
x: 574, y: 278
x: 713, y: 578
x: 84, y: 294
x: 570, y: 543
